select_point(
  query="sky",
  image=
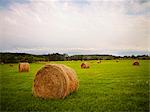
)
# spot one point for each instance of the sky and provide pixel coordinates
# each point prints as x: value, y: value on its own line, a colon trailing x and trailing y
x: 118, y: 27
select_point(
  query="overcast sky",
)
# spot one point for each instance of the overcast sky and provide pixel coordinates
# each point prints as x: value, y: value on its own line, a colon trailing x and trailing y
x: 119, y: 27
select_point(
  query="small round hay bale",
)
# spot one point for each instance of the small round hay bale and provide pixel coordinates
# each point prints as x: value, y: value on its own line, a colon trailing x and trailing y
x: 54, y: 81
x: 11, y: 65
x: 24, y: 67
x: 2, y: 63
x: 117, y: 61
x: 98, y: 62
x: 136, y: 63
x: 85, y: 65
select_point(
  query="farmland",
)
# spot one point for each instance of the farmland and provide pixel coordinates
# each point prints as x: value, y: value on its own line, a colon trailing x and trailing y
x: 107, y: 86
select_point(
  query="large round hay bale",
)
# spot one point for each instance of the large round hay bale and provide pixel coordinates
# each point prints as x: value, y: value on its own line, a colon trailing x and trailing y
x: 85, y: 65
x: 136, y: 63
x: 24, y: 67
x: 54, y: 81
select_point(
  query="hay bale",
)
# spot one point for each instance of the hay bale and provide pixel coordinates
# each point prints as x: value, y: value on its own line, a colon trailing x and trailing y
x: 11, y: 65
x: 2, y: 63
x: 117, y: 61
x: 136, y: 63
x: 98, y: 62
x: 24, y: 67
x: 85, y: 65
x: 54, y: 81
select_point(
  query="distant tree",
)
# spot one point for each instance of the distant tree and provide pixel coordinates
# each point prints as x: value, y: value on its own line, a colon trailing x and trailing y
x: 133, y: 57
x: 57, y: 57
x: 22, y: 57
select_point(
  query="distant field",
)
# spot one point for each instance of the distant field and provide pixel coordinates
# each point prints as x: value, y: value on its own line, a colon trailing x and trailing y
x: 108, y: 86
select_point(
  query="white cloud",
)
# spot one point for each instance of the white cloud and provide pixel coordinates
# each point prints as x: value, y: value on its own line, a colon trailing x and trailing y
x: 101, y: 25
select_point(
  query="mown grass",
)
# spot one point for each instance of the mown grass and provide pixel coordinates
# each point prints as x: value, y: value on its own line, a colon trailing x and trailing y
x: 108, y: 86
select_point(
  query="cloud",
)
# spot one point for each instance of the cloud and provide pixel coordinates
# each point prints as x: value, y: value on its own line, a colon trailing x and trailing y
x: 101, y: 25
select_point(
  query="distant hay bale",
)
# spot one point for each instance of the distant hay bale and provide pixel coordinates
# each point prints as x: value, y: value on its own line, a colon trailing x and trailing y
x: 11, y: 65
x: 2, y: 63
x: 24, y: 67
x: 117, y: 61
x: 98, y: 62
x: 136, y: 63
x: 85, y: 65
x: 54, y: 81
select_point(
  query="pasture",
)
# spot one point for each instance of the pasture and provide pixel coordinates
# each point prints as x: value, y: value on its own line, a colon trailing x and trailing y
x: 107, y: 86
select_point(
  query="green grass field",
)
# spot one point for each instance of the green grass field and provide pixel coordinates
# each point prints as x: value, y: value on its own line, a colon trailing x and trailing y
x: 108, y: 86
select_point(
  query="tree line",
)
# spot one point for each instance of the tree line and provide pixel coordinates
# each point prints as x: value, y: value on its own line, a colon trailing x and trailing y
x: 24, y: 57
